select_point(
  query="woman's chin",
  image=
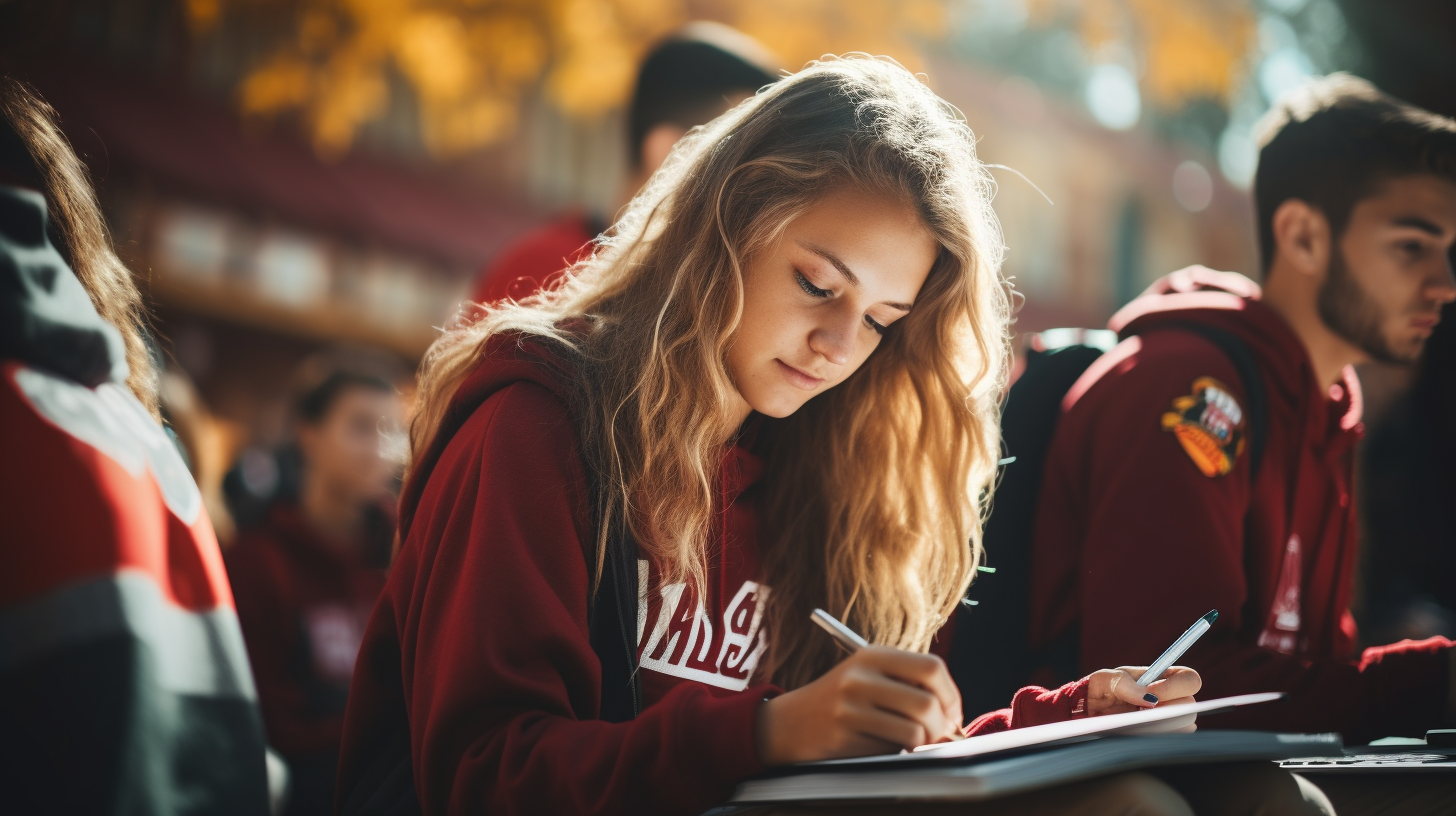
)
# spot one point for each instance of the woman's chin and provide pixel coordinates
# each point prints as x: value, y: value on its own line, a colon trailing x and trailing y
x: 779, y: 406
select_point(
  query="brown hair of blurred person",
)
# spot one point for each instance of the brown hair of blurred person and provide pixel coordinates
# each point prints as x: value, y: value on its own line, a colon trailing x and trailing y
x: 35, y: 153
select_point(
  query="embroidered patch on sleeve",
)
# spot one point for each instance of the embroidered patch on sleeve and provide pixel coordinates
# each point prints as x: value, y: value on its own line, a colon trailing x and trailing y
x: 1209, y: 424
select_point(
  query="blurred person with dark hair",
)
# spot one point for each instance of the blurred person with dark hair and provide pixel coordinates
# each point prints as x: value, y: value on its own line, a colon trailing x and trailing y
x: 124, y: 684
x: 689, y: 79
x: 1157, y: 502
x: 307, y: 578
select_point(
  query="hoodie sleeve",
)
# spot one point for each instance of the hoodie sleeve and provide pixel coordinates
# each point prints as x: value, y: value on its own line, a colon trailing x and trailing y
x: 1035, y: 705
x: 1163, y: 544
x: 500, y: 681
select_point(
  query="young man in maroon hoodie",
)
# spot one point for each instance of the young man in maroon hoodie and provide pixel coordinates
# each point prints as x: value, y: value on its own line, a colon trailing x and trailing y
x: 1149, y: 500
x: 307, y: 578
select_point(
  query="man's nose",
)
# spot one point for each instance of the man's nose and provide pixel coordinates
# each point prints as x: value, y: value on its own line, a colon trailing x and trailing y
x: 1442, y: 288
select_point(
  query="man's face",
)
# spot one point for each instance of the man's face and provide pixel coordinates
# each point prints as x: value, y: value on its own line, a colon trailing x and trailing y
x: 347, y: 448
x: 1390, y: 271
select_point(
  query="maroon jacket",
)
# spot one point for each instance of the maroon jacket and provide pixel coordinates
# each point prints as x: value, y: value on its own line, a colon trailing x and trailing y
x: 1149, y: 520
x: 303, y: 603
x: 477, y: 663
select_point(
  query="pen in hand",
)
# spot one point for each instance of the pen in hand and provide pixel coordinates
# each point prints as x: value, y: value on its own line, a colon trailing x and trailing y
x: 851, y: 641
x: 1181, y: 645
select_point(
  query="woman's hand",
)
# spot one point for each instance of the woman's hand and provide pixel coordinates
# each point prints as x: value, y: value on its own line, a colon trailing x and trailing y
x: 875, y: 701
x: 1115, y: 691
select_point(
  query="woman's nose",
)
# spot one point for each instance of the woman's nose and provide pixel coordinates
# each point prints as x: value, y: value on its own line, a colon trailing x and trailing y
x: 834, y: 342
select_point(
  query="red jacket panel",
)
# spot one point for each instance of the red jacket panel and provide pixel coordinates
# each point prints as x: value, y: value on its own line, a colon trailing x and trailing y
x: 124, y: 685
x: 1149, y: 519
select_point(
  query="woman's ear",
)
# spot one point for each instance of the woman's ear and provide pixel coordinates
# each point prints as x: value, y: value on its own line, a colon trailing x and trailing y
x: 1302, y: 238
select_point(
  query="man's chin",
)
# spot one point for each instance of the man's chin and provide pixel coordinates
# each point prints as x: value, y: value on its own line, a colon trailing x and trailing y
x: 1407, y: 352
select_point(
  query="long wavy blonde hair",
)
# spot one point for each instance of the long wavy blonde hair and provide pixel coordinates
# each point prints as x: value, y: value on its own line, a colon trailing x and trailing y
x: 874, y: 491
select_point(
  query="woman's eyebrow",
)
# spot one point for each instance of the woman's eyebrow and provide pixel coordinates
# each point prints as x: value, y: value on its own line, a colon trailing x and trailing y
x: 845, y: 270
x: 833, y: 260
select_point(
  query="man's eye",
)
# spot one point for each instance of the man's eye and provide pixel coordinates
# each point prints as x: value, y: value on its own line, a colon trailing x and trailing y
x: 808, y: 287
x: 1413, y: 249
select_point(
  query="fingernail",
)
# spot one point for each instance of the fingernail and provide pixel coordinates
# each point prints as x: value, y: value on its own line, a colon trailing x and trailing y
x: 1152, y: 698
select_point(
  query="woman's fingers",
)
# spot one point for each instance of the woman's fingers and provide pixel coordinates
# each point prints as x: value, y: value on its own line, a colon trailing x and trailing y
x: 1178, y: 681
x: 886, y: 727
x: 1124, y: 689
x: 868, y: 687
x: 924, y: 670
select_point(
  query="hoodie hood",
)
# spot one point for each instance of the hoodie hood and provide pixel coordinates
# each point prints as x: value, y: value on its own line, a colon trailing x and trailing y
x: 507, y: 359
x: 46, y: 318
x: 1232, y: 302
x: 512, y: 358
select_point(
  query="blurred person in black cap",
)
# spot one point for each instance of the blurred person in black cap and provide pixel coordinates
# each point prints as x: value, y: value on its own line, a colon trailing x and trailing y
x: 689, y: 79
x: 307, y: 577
x: 124, y: 685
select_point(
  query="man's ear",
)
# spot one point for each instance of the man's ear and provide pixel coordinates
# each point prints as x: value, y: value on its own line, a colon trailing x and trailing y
x: 1302, y: 239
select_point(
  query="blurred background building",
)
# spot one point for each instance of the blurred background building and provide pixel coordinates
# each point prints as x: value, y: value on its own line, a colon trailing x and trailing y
x: 288, y: 175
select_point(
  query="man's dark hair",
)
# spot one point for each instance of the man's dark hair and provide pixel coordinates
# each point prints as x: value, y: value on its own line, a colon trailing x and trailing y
x: 1334, y: 141
x: 685, y: 80
x: 314, y: 404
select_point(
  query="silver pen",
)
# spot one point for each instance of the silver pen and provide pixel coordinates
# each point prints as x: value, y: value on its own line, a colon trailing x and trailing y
x: 851, y: 640
x: 846, y: 636
x: 1176, y: 651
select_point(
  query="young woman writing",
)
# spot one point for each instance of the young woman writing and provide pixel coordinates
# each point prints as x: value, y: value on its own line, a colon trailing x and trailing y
x: 773, y: 388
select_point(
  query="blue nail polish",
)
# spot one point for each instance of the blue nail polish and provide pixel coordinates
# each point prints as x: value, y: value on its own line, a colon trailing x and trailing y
x: 1152, y: 698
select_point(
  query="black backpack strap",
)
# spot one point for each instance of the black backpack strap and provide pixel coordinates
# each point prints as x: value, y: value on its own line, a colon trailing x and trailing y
x: 1257, y: 403
x: 612, y: 624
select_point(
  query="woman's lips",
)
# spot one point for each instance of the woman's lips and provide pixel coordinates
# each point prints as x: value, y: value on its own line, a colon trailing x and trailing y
x: 797, y: 378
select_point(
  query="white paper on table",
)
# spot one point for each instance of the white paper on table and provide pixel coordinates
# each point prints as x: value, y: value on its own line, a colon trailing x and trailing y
x: 1158, y: 720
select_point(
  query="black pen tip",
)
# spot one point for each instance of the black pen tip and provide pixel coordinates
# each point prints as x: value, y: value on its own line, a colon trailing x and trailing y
x: 1211, y: 616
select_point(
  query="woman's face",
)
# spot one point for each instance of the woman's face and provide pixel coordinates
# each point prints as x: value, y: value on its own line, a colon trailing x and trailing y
x: 816, y: 304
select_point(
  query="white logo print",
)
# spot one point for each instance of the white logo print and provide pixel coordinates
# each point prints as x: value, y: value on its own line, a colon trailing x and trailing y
x: 685, y: 642
x: 1282, y: 628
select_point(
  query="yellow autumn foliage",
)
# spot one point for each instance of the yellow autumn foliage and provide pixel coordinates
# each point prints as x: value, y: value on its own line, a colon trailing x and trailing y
x: 471, y: 63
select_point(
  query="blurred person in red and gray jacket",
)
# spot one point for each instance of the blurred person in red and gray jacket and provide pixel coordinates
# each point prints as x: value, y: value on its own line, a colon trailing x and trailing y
x: 1150, y: 500
x: 307, y: 577
x: 687, y: 80
x: 124, y: 686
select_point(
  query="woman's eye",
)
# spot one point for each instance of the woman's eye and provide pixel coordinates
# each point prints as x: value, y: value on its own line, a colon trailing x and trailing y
x: 809, y: 288
x: 879, y: 329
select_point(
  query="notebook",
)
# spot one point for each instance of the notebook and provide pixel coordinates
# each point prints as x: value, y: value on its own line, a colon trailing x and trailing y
x: 1036, y: 756
x: 1003, y: 774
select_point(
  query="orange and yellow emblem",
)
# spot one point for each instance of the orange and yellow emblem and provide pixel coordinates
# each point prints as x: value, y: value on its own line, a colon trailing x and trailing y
x: 1209, y: 424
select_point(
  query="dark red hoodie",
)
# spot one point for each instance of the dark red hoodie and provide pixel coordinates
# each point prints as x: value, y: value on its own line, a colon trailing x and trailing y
x: 477, y: 664
x: 1149, y: 520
